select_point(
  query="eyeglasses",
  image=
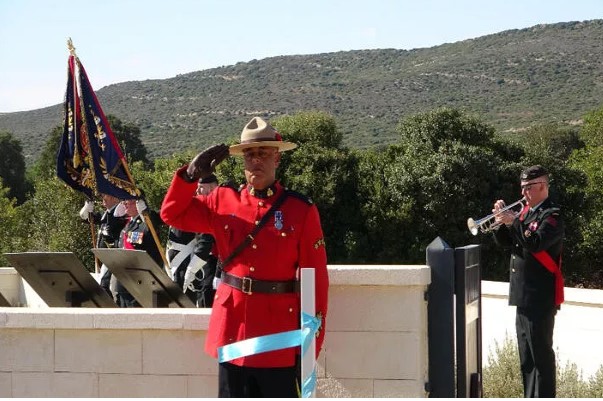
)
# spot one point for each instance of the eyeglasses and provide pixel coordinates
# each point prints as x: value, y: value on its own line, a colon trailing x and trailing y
x: 528, y: 187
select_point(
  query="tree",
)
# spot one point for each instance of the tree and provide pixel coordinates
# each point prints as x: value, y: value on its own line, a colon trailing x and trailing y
x: 8, y: 222
x: 127, y: 134
x: 52, y: 222
x: 46, y: 165
x: 446, y: 167
x: 588, y: 255
x: 322, y: 169
x: 12, y: 167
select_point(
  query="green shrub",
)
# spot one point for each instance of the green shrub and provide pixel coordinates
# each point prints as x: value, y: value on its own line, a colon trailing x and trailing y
x: 502, y: 376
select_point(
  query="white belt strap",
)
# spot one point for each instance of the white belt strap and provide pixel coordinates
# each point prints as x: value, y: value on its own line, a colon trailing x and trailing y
x: 184, y: 250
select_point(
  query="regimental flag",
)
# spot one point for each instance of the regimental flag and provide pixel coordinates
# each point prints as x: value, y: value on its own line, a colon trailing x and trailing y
x: 73, y: 161
x: 108, y: 162
x: 90, y: 158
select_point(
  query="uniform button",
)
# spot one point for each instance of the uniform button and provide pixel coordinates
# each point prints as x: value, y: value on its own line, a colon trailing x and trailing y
x: 226, y: 227
x: 254, y: 246
x: 290, y: 310
x: 216, y: 297
x: 260, y: 203
x: 252, y: 269
x: 257, y: 222
x: 283, y: 234
x: 513, y: 270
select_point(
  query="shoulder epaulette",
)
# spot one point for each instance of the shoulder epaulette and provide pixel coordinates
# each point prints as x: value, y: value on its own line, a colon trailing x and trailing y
x: 299, y: 196
x: 552, y: 210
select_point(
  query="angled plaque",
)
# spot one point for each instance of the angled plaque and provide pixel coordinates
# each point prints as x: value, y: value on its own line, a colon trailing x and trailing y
x: 60, y: 279
x: 4, y: 301
x: 143, y: 278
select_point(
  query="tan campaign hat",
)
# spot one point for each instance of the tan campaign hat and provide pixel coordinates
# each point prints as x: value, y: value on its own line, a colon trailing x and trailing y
x: 258, y: 133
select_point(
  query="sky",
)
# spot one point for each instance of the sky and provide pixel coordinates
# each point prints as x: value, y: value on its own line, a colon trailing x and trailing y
x: 131, y: 40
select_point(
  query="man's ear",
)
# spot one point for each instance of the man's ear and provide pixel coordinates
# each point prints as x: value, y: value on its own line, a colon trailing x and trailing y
x: 277, y: 159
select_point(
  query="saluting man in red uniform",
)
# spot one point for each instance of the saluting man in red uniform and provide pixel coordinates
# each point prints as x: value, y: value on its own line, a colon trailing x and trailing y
x: 258, y: 294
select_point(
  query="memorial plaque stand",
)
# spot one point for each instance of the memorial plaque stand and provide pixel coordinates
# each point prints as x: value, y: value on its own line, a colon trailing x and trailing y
x: 60, y: 279
x: 4, y: 301
x: 143, y: 278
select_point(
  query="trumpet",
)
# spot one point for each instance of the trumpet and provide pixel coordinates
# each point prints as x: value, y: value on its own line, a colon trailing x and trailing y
x: 489, y: 223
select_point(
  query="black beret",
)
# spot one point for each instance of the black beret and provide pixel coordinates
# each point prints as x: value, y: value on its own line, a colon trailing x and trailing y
x: 533, y: 172
x: 208, y: 179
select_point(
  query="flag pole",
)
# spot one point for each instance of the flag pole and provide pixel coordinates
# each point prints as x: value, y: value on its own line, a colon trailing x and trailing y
x: 122, y: 160
x: 71, y: 49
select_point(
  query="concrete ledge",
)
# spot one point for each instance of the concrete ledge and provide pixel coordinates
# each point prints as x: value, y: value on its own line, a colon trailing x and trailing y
x: 379, y: 275
x: 105, y: 318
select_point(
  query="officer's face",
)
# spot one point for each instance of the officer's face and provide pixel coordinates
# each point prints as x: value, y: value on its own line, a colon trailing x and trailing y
x: 109, y: 201
x: 130, y: 205
x: 260, y: 165
x: 535, y: 191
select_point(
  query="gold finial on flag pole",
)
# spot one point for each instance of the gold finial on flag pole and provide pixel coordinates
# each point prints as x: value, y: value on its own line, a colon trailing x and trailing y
x: 71, y: 47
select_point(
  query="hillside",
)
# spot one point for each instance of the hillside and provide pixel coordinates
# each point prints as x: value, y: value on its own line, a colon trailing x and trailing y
x: 511, y: 80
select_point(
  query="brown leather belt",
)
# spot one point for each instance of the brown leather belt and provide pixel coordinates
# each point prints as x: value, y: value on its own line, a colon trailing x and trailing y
x: 248, y: 285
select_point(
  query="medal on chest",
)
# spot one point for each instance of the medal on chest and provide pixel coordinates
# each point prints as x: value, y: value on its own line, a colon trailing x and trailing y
x: 278, y: 220
x: 533, y: 226
x: 135, y: 237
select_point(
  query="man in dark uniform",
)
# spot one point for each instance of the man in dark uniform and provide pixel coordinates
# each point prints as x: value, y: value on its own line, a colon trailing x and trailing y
x: 111, y: 222
x: 535, y: 238
x: 137, y: 235
x: 193, y: 264
x: 257, y: 293
x: 192, y: 256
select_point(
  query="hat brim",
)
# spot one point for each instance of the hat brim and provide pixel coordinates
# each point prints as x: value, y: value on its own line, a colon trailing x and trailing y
x: 237, y: 150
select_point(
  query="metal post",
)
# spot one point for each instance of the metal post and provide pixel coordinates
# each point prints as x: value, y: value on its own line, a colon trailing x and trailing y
x: 469, y: 324
x: 440, y: 259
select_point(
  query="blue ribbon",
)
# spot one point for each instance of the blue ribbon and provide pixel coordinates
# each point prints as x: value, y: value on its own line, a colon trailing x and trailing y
x: 273, y: 342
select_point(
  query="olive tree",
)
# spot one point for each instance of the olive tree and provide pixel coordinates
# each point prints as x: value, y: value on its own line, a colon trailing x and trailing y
x: 588, y: 258
x: 12, y: 167
x: 445, y: 167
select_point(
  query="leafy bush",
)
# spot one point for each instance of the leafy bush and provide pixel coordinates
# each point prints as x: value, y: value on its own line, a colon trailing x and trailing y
x: 502, y: 376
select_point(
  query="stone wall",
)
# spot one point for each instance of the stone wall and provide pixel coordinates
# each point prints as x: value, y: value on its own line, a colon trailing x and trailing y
x: 376, y: 343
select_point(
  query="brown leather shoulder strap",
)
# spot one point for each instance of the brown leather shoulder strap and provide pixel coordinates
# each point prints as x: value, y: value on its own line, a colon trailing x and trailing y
x: 249, y: 237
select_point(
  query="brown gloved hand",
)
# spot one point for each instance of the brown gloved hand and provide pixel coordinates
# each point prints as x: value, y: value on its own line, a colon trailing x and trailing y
x: 205, y: 162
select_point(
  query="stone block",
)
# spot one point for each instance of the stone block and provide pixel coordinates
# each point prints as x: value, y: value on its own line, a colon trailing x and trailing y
x: 176, y: 352
x: 378, y: 308
x: 55, y: 385
x: 202, y: 386
x: 142, y: 386
x: 27, y: 350
x: 6, y: 387
x: 102, y: 351
x: 372, y: 355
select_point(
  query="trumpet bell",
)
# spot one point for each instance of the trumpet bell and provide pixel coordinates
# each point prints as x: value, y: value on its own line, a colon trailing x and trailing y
x: 472, y: 225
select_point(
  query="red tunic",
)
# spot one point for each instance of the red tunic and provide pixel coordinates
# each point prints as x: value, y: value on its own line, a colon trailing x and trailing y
x: 274, y: 255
